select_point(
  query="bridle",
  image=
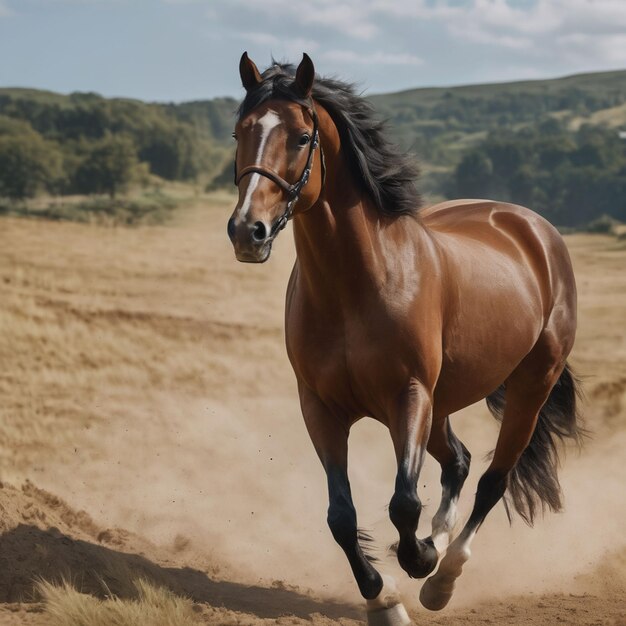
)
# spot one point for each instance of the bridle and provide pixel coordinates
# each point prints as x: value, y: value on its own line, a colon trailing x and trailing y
x: 292, y: 190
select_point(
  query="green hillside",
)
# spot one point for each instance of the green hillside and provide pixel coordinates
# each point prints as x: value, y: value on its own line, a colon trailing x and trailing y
x: 597, y: 85
x: 440, y: 124
x: 176, y: 142
x: 78, y: 143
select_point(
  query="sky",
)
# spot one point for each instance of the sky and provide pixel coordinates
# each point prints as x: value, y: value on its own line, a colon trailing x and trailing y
x: 177, y: 50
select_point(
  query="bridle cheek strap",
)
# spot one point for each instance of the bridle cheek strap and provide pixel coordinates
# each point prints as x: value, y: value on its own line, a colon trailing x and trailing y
x: 293, y: 190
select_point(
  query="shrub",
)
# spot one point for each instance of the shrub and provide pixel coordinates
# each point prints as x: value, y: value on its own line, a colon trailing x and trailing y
x: 27, y: 164
x: 603, y: 225
x: 154, y: 208
x: 108, y: 168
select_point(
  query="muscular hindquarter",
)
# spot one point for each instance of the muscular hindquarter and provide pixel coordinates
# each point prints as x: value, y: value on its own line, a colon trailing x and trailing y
x: 510, y: 272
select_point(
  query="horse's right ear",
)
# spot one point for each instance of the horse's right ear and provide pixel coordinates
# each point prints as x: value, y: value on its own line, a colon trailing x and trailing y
x: 249, y: 72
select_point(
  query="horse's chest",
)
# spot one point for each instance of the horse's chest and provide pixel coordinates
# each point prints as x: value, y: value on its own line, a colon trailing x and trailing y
x: 349, y: 367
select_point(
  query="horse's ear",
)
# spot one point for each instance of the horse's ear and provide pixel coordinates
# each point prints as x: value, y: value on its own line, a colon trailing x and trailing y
x: 249, y: 72
x: 305, y: 75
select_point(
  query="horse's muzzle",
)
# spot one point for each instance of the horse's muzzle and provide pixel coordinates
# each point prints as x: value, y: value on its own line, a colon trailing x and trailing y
x: 252, y: 241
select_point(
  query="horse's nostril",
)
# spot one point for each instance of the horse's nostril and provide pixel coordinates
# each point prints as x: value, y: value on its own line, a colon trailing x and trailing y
x: 259, y: 233
x: 231, y: 228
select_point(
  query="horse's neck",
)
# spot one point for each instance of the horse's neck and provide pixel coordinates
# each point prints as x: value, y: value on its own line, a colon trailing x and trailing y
x: 330, y: 238
x: 346, y: 249
x: 345, y: 246
x: 333, y: 238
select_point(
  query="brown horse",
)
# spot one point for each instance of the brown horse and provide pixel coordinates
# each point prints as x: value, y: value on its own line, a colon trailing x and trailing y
x: 406, y: 316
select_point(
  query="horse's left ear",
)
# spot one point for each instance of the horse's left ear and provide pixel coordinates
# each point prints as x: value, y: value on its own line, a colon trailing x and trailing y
x: 305, y: 75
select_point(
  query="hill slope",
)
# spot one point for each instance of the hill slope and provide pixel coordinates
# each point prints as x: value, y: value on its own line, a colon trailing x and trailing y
x: 417, y: 117
x: 441, y: 125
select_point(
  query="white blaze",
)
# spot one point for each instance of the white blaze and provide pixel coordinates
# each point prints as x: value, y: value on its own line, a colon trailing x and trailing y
x: 267, y: 122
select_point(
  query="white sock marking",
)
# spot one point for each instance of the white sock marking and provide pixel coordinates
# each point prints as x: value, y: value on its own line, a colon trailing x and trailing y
x: 458, y: 554
x: 443, y: 522
x: 438, y: 589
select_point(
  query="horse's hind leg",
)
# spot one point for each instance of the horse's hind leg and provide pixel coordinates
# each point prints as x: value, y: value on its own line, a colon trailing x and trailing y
x: 526, y: 392
x: 329, y: 434
x: 454, y: 459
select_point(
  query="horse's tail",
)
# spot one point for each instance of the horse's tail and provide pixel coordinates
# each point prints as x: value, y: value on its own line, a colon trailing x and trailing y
x: 533, y: 481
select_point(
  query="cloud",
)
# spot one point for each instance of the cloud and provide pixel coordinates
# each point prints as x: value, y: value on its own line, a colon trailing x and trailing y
x: 47, y: 4
x: 5, y: 11
x: 582, y: 47
x: 570, y: 30
x: 374, y: 58
x: 263, y: 39
x: 287, y: 47
x: 467, y: 39
x: 345, y: 17
x: 546, y: 25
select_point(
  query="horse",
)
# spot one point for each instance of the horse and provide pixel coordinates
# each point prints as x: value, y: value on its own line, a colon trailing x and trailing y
x: 405, y: 314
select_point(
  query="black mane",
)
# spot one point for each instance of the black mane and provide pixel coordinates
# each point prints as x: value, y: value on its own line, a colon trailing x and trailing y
x: 387, y: 175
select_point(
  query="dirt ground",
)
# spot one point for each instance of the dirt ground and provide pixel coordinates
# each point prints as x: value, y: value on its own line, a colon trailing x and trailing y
x: 144, y: 386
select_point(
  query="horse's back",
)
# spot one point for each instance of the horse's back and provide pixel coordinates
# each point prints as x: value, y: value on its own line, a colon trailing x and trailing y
x: 510, y: 230
x: 485, y: 219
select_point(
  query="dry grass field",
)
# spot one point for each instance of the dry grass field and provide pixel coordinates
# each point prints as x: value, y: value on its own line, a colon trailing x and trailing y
x: 152, y: 453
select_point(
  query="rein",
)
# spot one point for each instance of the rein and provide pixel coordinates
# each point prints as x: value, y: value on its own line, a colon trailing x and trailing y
x: 292, y: 190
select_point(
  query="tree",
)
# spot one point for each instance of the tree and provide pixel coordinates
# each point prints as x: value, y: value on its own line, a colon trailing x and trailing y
x: 571, y: 178
x: 172, y: 152
x: 27, y: 164
x: 109, y: 166
x: 473, y: 175
x: 506, y: 157
x: 522, y: 187
x: 554, y: 150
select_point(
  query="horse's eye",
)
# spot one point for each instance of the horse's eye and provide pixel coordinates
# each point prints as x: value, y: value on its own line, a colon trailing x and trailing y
x: 234, y: 136
x: 304, y: 139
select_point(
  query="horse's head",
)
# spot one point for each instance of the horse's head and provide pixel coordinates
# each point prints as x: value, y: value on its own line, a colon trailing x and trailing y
x: 278, y: 166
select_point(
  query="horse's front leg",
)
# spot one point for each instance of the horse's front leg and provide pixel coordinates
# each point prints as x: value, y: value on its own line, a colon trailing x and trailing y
x: 410, y: 424
x: 329, y: 434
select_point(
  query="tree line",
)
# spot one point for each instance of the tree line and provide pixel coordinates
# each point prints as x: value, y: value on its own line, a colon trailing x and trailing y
x: 569, y: 177
x: 511, y: 142
x: 85, y: 144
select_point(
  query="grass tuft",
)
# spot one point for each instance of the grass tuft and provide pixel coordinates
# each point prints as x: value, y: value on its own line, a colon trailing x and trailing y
x: 153, y: 606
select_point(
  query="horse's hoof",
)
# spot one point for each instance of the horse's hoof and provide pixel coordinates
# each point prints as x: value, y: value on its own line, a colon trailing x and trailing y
x: 433, y: 597
x: 387, y: 597
x: 386, y: 609
x: 419, y: 559
x: 392, y: 616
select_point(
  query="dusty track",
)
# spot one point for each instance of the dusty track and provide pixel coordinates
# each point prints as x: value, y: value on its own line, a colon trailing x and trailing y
x: 143, y: 379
